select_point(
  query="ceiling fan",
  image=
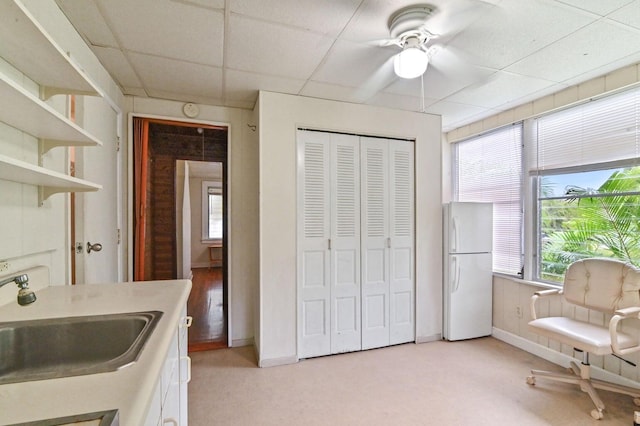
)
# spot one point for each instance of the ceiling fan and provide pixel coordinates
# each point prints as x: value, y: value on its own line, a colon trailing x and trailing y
x: 407, y: 29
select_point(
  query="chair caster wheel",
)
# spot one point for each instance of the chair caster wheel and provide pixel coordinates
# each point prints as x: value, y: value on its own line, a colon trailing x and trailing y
x: 597, y: 414
x: 636, y: 401
x: 531, y: 380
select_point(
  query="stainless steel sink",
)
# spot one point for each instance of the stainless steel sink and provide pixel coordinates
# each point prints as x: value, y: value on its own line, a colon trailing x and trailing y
x: 72, y: 346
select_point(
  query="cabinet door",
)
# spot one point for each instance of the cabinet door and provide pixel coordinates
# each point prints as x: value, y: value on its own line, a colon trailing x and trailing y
x: 375, y: 234
x: 314, y: 338
x: 345, y: 244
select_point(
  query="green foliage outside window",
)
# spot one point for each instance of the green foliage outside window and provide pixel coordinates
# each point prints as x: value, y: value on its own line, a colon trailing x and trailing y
x: 586, y: 222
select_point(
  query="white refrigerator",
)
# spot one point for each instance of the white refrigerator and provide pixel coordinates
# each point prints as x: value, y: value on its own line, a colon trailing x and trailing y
x: 468, y: 276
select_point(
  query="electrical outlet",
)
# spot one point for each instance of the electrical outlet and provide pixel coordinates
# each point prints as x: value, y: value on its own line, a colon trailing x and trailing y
x: 4, y: 266
x: 518, y: 311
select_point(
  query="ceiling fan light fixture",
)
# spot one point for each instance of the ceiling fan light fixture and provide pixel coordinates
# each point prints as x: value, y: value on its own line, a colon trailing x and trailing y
x: 412, y: 62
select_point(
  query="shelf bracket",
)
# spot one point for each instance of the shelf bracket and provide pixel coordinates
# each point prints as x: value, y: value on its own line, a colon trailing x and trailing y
x: 46, y: 92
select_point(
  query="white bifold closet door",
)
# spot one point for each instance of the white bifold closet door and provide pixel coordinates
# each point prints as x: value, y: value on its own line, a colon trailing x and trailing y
x: 355, y: 243
x: 387, y: 242
x: 328, y: 244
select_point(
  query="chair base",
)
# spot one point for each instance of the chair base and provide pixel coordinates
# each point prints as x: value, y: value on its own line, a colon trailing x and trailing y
x: 581, y: 375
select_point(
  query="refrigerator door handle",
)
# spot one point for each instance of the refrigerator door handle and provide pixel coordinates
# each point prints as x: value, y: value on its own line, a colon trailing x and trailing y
x: 454, y: 235
x: 456, y: 274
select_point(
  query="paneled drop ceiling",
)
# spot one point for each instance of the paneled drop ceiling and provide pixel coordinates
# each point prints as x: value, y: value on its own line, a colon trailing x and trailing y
x: 492, y: 54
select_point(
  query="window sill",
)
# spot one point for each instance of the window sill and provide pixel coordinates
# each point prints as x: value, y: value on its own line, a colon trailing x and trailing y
x: 528, y: 282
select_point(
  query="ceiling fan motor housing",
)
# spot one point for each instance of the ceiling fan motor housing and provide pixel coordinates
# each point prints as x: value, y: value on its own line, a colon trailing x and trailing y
x: 409, y: 22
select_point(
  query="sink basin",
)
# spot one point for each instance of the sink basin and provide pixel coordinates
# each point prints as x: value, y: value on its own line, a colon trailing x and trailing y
x: 72, y: 346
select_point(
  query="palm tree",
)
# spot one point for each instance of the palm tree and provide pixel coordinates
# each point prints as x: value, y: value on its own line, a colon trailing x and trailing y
x: 605, y: 224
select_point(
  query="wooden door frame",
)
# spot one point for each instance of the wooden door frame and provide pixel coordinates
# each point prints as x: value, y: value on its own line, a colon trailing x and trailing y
x: 227, y: 271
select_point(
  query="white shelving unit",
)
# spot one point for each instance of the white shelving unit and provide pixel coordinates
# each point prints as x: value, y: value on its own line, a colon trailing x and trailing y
x: 24, y: 111
x: 26, y: 45
x: 49, y: 181
x: 29, y: 48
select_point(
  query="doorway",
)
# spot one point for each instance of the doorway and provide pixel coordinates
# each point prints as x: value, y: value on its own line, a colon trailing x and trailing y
x: 159, y: 145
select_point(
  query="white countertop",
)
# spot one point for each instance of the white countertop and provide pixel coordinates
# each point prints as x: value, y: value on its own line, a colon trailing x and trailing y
x: 130, y: 389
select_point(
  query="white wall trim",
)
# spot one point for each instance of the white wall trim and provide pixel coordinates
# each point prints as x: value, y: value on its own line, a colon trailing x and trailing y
x: 242, y: 342
x: 274, y: 362
x: 558, y: 358
x: 427, y: 339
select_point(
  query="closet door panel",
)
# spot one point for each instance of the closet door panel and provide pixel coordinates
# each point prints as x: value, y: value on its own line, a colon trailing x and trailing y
x: 374, y: 239
x: 345, y: 244
x: 314, y: 262
x: 401, y: 247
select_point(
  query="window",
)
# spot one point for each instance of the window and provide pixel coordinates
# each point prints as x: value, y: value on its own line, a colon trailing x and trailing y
x: 212, y: 209
x: 489, y: 169
x: 587, y: 214
x: 584, y: 166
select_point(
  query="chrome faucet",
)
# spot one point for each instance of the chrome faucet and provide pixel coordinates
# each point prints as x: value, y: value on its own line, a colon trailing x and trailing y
x: 25, y: 294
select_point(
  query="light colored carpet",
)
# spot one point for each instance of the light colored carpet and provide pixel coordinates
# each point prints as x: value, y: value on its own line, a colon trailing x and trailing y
x: 475, y: 382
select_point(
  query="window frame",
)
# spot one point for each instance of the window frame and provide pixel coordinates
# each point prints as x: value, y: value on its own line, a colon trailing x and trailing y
x: 206, y: 184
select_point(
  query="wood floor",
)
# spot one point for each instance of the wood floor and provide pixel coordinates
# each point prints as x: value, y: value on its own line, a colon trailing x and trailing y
x: 208, y: 330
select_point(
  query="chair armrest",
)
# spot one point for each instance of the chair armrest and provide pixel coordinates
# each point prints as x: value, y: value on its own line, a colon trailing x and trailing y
x: 619, y: 315
x: 628, y: 312
x: 539, y: 294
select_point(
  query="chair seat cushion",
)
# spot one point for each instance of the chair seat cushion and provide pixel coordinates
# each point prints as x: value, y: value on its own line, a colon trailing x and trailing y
x: 588, y: 337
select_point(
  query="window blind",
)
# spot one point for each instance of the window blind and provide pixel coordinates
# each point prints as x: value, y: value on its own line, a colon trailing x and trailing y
x: 605, y: 130
x: 489, y: 169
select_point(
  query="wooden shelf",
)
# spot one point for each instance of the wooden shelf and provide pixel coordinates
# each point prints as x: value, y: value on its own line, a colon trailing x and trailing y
x: 26, y: 112
x: 49, y: 181
x: 29, y: 48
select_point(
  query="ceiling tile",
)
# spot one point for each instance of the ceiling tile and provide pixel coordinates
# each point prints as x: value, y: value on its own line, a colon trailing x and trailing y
x: 629, y: 15
x: 169, y: 29
x: 591, y: 47
x: 356, y: 64
x: 177, y: 76
x: 599, y: 7
x: 276, y: 50
x: 323, y: 16
x: 502, y: 37
x: 333, y: 92
x: 118, y: 66
x: 403, y: 102
x: 501, y: 88
x: 88, y: 21
x: 244, y: 86
x: 208, y: 4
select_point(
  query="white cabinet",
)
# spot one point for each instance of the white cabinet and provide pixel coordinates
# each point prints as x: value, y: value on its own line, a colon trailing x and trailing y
x: 26, y: 46
x: 355, y: 243
x: 169, y: 403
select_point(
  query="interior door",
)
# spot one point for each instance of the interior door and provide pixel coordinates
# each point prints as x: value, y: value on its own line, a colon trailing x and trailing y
x: 345, y: 243
x: 401, y: 247
x: 314, y: 266
x: 375, y: 242
x: 97, y: 214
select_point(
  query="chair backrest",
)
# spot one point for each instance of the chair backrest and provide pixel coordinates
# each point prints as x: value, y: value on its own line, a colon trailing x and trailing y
x: 602, y: 284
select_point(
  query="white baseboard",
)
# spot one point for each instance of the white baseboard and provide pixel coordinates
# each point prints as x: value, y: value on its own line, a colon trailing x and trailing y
x: 559, y: 358
x: 236, y: 343
x: 427, y: 339
x: 274, y: 362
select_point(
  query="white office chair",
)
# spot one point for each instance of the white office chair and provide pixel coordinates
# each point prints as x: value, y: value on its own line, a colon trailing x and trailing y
x: 604, y: 285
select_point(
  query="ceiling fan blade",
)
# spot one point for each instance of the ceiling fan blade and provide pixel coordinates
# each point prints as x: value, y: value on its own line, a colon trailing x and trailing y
x: 379, y: 80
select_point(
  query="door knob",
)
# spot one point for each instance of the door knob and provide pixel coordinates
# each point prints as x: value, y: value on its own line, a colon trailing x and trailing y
x: 93, y: 247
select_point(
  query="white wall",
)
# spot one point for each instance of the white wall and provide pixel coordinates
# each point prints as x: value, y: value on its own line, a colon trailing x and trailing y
x: 279, y: 116
x: 242, y: 194
x: 199, y: 251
